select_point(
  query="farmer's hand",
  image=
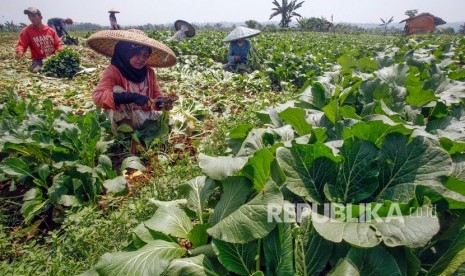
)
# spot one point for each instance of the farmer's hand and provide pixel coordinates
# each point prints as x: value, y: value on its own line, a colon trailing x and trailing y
x: 237, y: 58
x: 152, y: 104
x: 168, y: 104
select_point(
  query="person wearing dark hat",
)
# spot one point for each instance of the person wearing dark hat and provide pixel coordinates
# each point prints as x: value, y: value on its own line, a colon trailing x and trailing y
x: 184, y: 30
x: 58, y: 25
x: 42, y: 40
x: 129, y: 89
x: 113, y: 23
x: 180, y: 34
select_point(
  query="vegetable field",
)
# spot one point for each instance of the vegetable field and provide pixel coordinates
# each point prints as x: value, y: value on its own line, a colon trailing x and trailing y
x: 338, y: 155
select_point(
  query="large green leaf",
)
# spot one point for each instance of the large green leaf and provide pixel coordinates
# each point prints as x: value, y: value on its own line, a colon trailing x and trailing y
x: 413, y: 230
x: 395, y: 75
x: 347, y: 62
x: 61, y: 185
x: 453, y: 192
x: 304, y: 176
x: 373, y: 261
x: 152, y: 259
x: 238, y: 258
x: 237, y: 136
x: 277, y: 248
x: 357, y: 179
x: 296, y: 118
x: 314, y: 95
x: 235, y: 192
x: 34, y: 204
x: 252, y: 220
x: 458, y: 166
x: 312, y: 252
x: 451, y: 92
x: 453, y: 258
x: 270, y: 115
x: 405, y: 164
x: 408, y: 262
x: 253, y: 142
x: 198, y: 191
x: 15, y: 166
x: 132, y: 162
x: 222, y: 166
x: 331, y: 111
x: 116, y: 185
x: 193, y: 266
x: 257, y: 168
x: 104, y: 162
x: 169, y: 219
x: 374, y: 131
x: 198, y: 236
x: 419, y: 97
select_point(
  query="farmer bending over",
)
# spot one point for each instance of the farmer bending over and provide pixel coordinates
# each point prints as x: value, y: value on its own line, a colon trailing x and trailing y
x: 58, y: 24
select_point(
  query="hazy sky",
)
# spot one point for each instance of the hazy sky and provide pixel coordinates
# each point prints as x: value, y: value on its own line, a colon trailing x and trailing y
x: 139, y: 12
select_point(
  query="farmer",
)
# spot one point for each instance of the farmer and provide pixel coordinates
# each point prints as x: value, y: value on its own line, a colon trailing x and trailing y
x: 113, y: 24
x: 41, y: 39
x: 183, y: 30
x: 239, y: 47
x: 129, y: 89
x: 58, y: 25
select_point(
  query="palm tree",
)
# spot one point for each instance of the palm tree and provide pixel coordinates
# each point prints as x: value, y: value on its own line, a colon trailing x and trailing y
x: 385, y: 23
x: 286, y: 10
x: 411, y: 13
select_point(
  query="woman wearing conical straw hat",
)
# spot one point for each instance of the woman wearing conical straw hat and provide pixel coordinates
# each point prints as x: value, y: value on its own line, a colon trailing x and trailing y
x: 128, y: 88
x: 239, y: 47
x: 113, y: 24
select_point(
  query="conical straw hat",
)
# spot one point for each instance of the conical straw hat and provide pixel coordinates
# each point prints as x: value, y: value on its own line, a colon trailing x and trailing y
x: 113, y: 10
x: 179, y: 23
x: 240, y: 32
x: 103, y: 42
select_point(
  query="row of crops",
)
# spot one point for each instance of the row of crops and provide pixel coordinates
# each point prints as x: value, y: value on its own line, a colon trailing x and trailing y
x: 360, y: 173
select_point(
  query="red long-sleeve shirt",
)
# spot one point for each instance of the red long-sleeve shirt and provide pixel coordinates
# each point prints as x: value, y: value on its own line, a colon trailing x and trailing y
x: 42, y: 42
x: 103, y: 93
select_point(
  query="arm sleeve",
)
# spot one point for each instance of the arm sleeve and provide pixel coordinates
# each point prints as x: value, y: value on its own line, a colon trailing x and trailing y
x: 103, y: 93
x: 157, y: 91
x: 63, y: 27
x: 23, y: 42
x: 245, y: 54
x: 230, y: 54
x: 128, y: 98
x: 56, y: 41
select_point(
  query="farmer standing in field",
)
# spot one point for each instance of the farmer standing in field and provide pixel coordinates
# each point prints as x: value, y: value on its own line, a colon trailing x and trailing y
x: 239, y: 48
x: 183, y: 30
x: 129, y: 89
x: 58, y: 25
x: 42, y: 40
x: 113, y: 24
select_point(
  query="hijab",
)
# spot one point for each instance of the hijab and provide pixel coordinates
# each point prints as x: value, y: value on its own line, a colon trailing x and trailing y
x: 124, y: 51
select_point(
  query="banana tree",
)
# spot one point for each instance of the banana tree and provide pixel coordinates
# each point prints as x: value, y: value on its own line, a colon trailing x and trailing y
x: 385, y: 23
x: 286, y: 10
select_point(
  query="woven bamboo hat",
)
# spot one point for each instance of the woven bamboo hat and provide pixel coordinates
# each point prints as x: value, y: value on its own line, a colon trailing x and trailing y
x: 190, y: 32
x: 241, y: 32
x: 103, y: 42
x: 113, y: 10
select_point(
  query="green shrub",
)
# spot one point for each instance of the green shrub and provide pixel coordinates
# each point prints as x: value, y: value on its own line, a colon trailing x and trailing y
x: 62, y: 65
